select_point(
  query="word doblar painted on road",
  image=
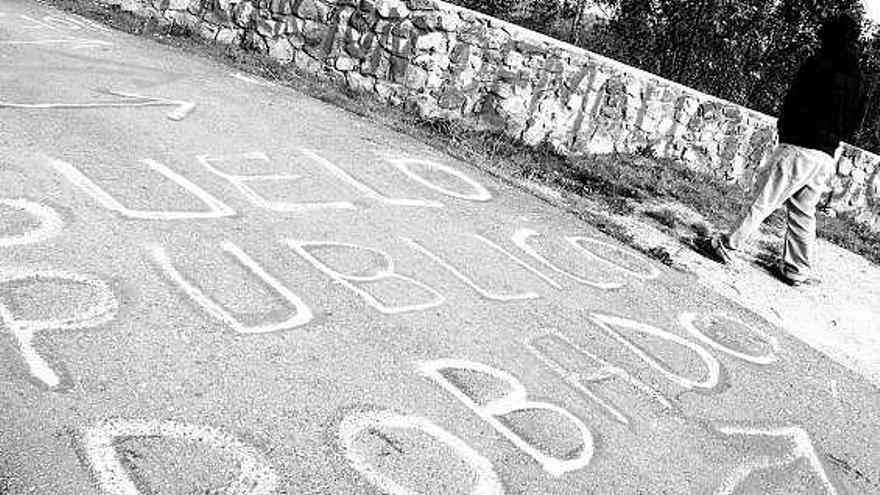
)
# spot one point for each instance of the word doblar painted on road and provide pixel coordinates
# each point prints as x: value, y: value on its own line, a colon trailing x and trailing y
x: 124, y: 100
x: 255, y: 475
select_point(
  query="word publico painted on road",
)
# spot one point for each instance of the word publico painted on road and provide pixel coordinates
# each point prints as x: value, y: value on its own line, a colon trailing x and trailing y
x: 521, y: 250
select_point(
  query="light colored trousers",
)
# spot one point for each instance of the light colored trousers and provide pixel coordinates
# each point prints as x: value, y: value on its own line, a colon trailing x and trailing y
x: 795, y: 177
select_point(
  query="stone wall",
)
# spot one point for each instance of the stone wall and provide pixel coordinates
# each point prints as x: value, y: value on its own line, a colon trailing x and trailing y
x: 447, y: 62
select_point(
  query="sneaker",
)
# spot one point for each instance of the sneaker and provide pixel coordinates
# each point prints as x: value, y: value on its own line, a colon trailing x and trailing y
x: 718, y: 245
x: 783, y: 277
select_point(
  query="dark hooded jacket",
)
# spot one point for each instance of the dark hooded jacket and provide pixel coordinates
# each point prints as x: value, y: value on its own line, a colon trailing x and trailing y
x: 826, y: 102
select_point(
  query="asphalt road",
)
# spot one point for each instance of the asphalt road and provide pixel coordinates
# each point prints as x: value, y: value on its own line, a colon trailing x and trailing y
x: 209, y: 284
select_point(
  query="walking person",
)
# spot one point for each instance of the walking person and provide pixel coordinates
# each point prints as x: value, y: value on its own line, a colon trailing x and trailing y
x: 823, y: 106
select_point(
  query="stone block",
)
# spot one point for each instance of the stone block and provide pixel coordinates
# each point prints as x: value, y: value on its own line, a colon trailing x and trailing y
x: 415, y: 77
x: 497, y: 39
x: 392, y: 9
x: 179, y: 4
x: 313, y: 10
x: 397, y: 68
x: 354, y: 50
x: 450, y: 21
x: 281, y: 50
x: 377, y: 63
x: 243, y: 14
x: 345, y: 64
x: 280, y: 7
x: 427, y: 22
x: 402, y: 47
x: 452, y: 99
x: 268, y: 28
x: 314, y: 33
x: 531, y: 46
x: 228, y: 36
x: 255, y: 42
x: 207, y: 31
x: 514, y: 60
x: 359, y: 83
x: 431, y: 42
x: 433, y: 61
x: 554, y: 65
x: 421, y: 4
x: 306, y: 63
x: 461, y: 53
x: 387, y: 92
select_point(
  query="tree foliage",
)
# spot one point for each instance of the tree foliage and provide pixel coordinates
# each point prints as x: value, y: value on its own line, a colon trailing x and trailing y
x: 745, y: 51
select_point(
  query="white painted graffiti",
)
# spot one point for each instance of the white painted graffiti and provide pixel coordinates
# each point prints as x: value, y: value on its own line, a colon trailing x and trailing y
x: 516, y: 400
x: 801, y: 449
x: 241, y: 183
x: 713, y: 367
x: 521, y: 240
x: 467, y: 280
x: 123, y: 100
x: 689, y: 322
x: 603, y: 371
x: 405, y: 165
x: 383, y: 272
x: 255, y: 477
x: 76, y: 42
x: 216, y: 208
x: 519, y: 261
x: 302, y: 314
x: 55, y: 23
x: 24, y: 330
x: 487, y: 482
x: 50, y: 223
x: 649, y: 272
x: 364, y: 188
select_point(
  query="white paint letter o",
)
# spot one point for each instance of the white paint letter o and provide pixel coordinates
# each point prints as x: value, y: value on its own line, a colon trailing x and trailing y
x: 487, y: 482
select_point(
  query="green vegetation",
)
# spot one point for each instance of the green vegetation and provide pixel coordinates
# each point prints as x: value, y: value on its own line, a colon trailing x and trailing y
x: 608, y: 184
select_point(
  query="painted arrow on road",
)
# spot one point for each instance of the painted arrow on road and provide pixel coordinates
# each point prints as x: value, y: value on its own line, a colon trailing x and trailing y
x: 181, y: 110
x: 801, y: 448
